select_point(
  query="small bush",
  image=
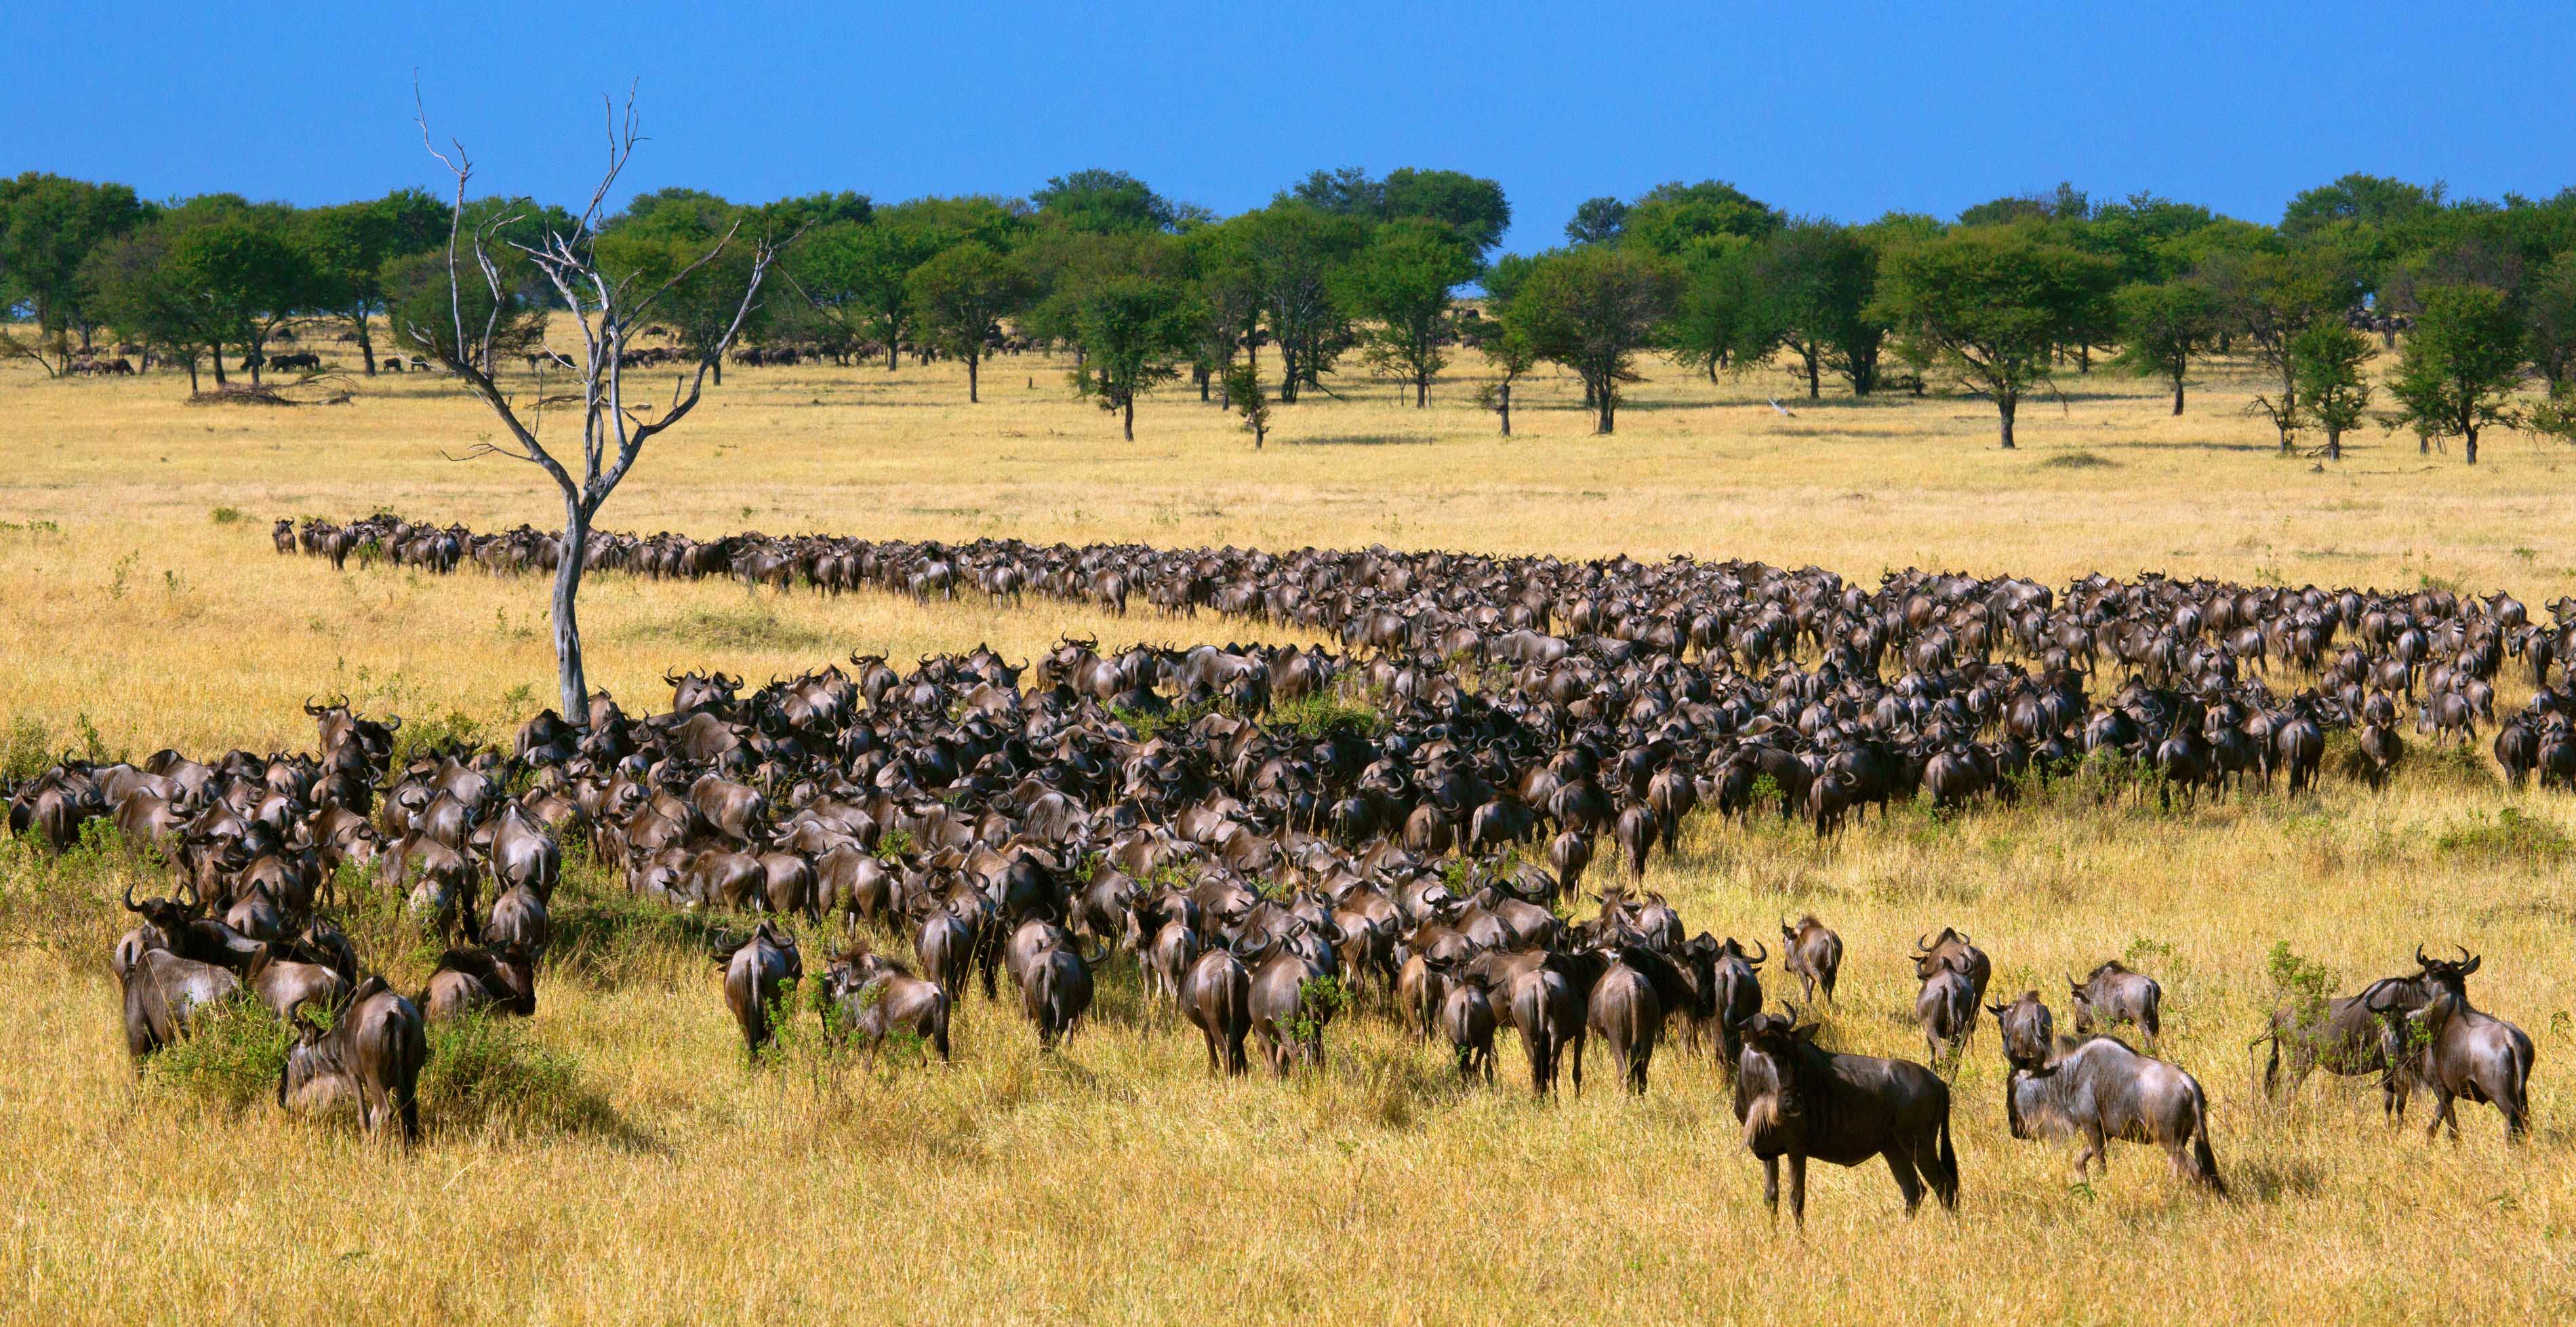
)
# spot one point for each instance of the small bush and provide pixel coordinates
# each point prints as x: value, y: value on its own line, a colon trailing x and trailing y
x: 1323, y: 715
x: 436, y: 732
x: 2505, y: 836
x: 231, y: 1059
x: 488, y: 1074
x: 2080, y: 460
x: 227, y: 515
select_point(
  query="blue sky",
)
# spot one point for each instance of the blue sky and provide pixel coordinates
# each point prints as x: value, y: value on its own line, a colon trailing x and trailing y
x: 1844, y: 110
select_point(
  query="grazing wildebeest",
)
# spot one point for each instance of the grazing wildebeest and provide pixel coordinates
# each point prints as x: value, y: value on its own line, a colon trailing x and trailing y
x: 1814, y: 957
x: 1735, y: 994
x: 502, y: 979
x: 877, y: 996
x: 1797, y: 1100
x: 2095, y: 1089
x: 372, y: 1054
x: 2112, y: 994
x: 2467, y: 1053
x: 756, y: 971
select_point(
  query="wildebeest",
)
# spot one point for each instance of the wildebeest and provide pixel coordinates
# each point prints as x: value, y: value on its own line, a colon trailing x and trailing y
x: 1814, y: 955
x: 1947, y: 1009
x: 2095, y: 1089
x: 502, y: 979
x: 757, y: 970
x: 1799, y: 1101
x: 2112, y: 994
x: 2462, y: 1052
x: 164, y: 995
x: 876, y: 995
x: 2346, y: 1036
x: 372, y: 1054
x: 1216, y: 996
x: 1630, y: 1001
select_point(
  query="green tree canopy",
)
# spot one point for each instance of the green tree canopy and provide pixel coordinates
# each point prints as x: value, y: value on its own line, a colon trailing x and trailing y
x: 2460, y: 365
x: 49, y: 226
x: 1990, y: 305
x: 960, y: 295
x: 2330, y: 362
x: 2163, y: 328
x: 1398, y: 288
x: 1593, y: 309
x: 1103, y: 202
x: 1132, y: 330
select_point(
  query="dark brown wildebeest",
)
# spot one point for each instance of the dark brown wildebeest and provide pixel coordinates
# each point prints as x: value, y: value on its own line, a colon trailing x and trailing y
x: 1216, y: 995
x: 1629, y: 1003
x: 1055, y: 981
x: 2347, y: 1036
x: 502, y: 980
x: 1928, y: 957
x: 1467, y: 1020
x: 2095, y: 1089
x: 372, y: 1055
x: 2112, y: 994
x: 519, y: 918
x: 757, y: 969
x: 283, y: 984
x: 164, y: 994
x: 1799, y: 1101
x: 877, y: 996
x: 1814, y: 957
x: 1735, y: 989
x: 2467, y: 1053
x: 1947, y: 1009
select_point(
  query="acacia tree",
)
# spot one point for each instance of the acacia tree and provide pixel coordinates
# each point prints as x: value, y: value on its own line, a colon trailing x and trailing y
x: 2164, y: 328
x: 49, y: 226
x: 1723, y: 318
x: 1818, y: 278
x: 2328, y: 361
x: 1593, y: 310
x: 1990, y: 305
x: 606, y: 311
x: 1132, y: 331
x: 1398, y: 286
x: 2460, y: 366
x: 961, y: 295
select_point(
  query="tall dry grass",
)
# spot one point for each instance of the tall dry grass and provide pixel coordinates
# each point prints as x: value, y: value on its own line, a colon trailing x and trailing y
x: 1114, y: 1182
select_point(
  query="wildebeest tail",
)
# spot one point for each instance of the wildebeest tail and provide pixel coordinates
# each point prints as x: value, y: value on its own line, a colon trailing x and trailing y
x: 1945, y: 1185
x: 2202, y: 1159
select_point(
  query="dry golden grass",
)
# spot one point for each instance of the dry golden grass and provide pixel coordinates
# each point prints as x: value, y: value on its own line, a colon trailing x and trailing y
x: 1115, y: 1182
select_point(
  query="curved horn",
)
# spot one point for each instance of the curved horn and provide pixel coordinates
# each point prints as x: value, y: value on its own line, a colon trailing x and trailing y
x: 2420, y: 960
x: 1920, y: 947
x: 130, y: 905
x: 2464, y: 952
x: 1764, y: 956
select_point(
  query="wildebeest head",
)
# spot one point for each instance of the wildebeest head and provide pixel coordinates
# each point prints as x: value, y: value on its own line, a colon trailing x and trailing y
x: 1929, y: 956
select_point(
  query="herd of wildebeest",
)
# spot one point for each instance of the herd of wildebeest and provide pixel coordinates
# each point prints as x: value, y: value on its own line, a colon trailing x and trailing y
x: 1271, y: 835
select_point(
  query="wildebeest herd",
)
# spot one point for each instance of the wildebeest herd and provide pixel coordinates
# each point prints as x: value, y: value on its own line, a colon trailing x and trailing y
x: 1272, y: 835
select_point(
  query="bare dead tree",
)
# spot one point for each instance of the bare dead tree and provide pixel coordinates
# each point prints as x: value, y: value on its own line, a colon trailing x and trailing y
x: 607, y: 310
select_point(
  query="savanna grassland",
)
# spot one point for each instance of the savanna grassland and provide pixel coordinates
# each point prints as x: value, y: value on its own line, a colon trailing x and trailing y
x: 644, y: 1172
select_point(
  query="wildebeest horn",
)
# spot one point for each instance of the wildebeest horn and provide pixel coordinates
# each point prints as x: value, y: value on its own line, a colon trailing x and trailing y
x: 310, y: 707
x: 2464, y: 953
x: 393, y: 723
x: 1764, y: 956
x: 669, y: 680
x: 130, y: 905
x: 2420, y: 960
x: 1920, y: 947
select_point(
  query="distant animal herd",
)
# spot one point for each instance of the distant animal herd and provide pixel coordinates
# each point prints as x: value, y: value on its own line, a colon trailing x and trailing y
x: 1274, y: 836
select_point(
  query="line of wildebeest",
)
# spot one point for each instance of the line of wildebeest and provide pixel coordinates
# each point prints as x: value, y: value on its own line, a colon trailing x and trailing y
x: 1267, y: 833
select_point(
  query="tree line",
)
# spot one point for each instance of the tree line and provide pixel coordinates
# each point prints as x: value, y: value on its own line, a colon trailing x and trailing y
x: 1345, y: 269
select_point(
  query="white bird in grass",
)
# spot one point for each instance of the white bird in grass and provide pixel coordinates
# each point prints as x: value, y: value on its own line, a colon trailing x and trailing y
x: 1775, y: 404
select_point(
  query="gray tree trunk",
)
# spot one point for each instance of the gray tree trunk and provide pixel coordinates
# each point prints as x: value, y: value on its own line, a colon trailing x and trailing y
x: 574, y: 684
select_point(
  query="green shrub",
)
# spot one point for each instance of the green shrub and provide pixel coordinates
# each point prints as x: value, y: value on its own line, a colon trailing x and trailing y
x: 231, y: 1059
x: 227, y: 515
x: 2505, y: 836
x: 488, y: 1074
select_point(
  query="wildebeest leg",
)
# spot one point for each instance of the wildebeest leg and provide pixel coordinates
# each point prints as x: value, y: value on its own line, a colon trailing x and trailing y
x: 1214, y: 1067
x: 1771, y: 1187
x: 1576, y: 1041
x: 1901, y: 1165
x: 1798, y: 1187
x: 2442, y: 1114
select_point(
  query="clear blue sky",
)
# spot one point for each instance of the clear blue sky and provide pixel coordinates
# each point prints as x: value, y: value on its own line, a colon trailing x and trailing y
x: 1845, y: 110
